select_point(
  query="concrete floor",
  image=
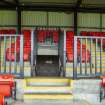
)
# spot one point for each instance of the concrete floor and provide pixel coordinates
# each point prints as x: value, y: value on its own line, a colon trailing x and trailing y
x: 85, y: 92
x: 52, y: 102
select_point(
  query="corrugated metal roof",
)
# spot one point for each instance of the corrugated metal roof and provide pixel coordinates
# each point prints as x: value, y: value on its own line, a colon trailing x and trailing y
x: 85, y: 3
x: 50, y: 1
x: 93, y: 3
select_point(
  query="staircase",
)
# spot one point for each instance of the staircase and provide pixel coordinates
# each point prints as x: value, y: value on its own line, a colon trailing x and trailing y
x: 47, y: 88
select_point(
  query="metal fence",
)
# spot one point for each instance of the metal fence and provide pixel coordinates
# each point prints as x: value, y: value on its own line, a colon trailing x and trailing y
x: 18, y: 54
x: 89, y: 56
x: 11, y: 55
x: 19, y: 58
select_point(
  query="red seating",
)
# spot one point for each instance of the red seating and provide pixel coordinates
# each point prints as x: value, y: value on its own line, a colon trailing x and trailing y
x: 98, y: 34
x: 26, y: 49
x: 41, y: 36
x: 69, y: 48
x: 83, y: 33
x: 55, y: 36
x: 7, y: 79
x: 4, y: 31
x: 69, y: 34
x: 2, y: 99
x: 26, y: 57
x: 91, y: 33
x: 5, y: 90
x: 103, y: 34
x: 7, y: 86
x: 69, y: 45
x: 11, y: 31
x: 70, y: 57
x: 85, y: 56
x: 47, y: 33
x: 26, y: 33
x: 10, y: 54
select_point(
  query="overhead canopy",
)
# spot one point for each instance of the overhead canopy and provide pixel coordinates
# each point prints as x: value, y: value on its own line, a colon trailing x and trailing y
x: 100, y: 4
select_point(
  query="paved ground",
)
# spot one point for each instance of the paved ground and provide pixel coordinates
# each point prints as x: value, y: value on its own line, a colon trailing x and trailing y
x: 52, y: 102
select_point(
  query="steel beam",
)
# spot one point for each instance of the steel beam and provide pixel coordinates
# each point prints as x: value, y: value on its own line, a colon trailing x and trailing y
x: 78, y: 3
x: 53, y: 8
x: 7, y: 2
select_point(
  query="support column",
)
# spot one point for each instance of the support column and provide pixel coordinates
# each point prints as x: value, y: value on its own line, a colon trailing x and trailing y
x: 75, y: 23
x: 19, y: 19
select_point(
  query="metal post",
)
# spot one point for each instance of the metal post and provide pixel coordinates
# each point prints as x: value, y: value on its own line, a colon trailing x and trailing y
x: 95, y: 56
x: 75, y: 59
x: 81, y: 56
x: 15, y: 54
x: 10, y: 53
x: 64, y: 50
x: 21, y: 55
x: 101, y: 56
x: 4, y: 54
x: 35, y: 50
x: 86, y: 57
x: 91, y: 55
x: 32, y: 52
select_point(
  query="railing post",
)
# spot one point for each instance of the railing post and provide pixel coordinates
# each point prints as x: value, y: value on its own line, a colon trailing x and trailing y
x: 21, y: 55
x: 32, y: 51
x: 75, y: 58
x: 4, y: 54
x: 64, y: 50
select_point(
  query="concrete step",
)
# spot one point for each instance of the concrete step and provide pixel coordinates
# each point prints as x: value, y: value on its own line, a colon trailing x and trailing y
x: 47, y: 81
x: 48, y: 96
x: 48, y: 89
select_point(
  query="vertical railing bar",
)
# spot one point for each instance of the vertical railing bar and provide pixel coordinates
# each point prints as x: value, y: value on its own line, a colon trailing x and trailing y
x: 35, y: 49
x: 21, y: 56
x: 4, y: 54
x: 15, y: 54
x: 101, y: 56
x: 91, y: 56
x: 81, y: 56
x: 86, y: 56
x: 95, y: 55
x: 32, y: 51
x: 10, y: 54
x: 64, y: 54
x: 75, y: 58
